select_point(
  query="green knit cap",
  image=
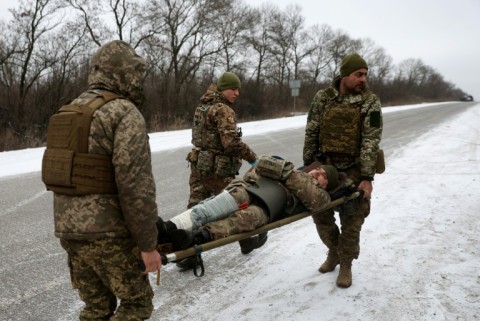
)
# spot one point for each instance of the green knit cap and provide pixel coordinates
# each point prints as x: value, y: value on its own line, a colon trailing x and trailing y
x: 332, y: 176
x: 351, y: 63
x: 228, y: 80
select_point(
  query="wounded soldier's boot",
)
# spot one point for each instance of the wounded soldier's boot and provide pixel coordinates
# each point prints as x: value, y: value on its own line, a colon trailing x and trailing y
x: 331, y: 262
x: 168, y: 233
x: 344, y: 279
x: 252, y: 243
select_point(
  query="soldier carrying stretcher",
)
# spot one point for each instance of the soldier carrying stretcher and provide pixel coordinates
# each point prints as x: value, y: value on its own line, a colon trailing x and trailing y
x: 268, y: 192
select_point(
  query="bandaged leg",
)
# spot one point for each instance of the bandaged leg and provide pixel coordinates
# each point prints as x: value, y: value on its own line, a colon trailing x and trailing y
x: 211, y: 209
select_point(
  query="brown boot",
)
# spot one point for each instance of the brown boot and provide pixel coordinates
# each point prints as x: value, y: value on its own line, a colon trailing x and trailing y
x: 331, y: 262
x: 344, y: 279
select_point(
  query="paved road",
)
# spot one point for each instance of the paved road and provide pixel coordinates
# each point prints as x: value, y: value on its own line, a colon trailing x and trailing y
x: 34, y: 278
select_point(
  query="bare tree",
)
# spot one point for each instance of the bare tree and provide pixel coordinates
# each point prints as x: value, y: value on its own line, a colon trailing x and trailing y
x: 231, y: 27
x: 67, y: 78
x: 320, y: 58
x: 187, y: 38
x: 45, y: 51
x: 119, y: 19
x: 302, y: 45
x: 281, y: 35
x: 31, y: 24
x: 258, y: 38
x: 379, y: 66
x: 340, y: 46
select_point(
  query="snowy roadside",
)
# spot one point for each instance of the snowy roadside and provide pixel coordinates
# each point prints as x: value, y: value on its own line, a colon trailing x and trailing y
x: 30, y: 159
x: 419, y: 258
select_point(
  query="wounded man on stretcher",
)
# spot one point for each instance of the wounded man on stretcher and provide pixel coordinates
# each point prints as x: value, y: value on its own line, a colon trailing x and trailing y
x: 268, y: 192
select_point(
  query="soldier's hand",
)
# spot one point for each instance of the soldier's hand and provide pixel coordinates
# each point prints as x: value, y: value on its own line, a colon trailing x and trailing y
x: 152, y: 261
x: 344, y: 191
x: 366, y: 187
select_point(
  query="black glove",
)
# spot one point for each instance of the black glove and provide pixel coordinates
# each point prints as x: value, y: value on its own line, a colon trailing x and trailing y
x: 344, y: 191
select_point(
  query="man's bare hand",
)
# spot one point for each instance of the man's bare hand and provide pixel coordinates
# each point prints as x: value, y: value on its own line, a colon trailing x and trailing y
x: 367, y: 188
x: 152, y: 261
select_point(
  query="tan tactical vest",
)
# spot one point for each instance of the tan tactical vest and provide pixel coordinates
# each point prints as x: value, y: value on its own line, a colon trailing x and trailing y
x: 67, y: 167
x: 341, y: 130
x: 204, y: 134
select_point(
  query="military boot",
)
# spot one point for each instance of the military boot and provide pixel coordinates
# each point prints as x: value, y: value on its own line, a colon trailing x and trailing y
x: 168, y: 233
x: 331, y: 262
x: 252, y: 243
x: 165, y: 230
x: 344, y: 279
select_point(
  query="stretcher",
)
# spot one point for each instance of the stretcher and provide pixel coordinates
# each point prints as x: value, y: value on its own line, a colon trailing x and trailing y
x: 196, y: 250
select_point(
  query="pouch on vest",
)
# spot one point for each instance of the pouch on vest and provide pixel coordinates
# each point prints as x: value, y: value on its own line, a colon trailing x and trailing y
x: 274, y: 167
x: 227, y: 165
x: 380, y: 164
x: 205, y: 161
x: 192, y: 157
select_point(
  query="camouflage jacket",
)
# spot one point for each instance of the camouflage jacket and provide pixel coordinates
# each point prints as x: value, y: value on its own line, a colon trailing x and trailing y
x: 300, y: 185
x: 117, y: 129
x: 370, y: 127
x: 218, y: 132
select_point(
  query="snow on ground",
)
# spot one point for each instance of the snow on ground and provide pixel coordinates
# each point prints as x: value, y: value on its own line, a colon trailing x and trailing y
x: 419, y: 258
x: 420, y: 244
x: 30, y: 160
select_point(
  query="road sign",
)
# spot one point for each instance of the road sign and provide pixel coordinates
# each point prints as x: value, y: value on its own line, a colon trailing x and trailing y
x: 295, y: 83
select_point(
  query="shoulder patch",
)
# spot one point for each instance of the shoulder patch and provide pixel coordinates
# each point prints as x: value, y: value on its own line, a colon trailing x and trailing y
x: 375, y: 119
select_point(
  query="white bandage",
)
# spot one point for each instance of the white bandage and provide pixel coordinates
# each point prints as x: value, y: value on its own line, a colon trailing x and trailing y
x: 212, y: 209
x: 183, y: 221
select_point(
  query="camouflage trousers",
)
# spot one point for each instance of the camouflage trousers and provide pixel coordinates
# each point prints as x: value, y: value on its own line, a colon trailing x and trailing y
x: 346, y: 239
x: 241, y: 221
x: 204, y: 186
x: 107, y: 270
x: 247, y: 218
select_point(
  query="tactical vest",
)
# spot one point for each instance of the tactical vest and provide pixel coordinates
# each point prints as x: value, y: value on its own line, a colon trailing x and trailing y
x: 67, y: 167
x: 204, y: 133
x: 341, y: 126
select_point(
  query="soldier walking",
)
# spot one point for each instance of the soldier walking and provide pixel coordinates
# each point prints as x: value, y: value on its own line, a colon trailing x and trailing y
x: 219, y: 148
x: 344, y: 129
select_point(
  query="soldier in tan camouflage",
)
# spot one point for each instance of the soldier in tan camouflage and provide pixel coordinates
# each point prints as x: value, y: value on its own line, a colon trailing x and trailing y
x: 258, y: 199
x: 219, y: 149
x: 104, y: 204
x: 344, y: 129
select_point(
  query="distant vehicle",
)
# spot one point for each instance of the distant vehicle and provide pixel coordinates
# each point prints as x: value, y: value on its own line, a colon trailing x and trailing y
x: 467, y: 98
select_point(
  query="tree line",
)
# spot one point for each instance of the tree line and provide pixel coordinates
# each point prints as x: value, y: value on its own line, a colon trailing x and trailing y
x: 46, y: 45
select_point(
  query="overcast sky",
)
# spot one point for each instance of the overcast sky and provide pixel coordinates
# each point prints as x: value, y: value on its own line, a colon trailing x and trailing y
x: 444, y: 34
